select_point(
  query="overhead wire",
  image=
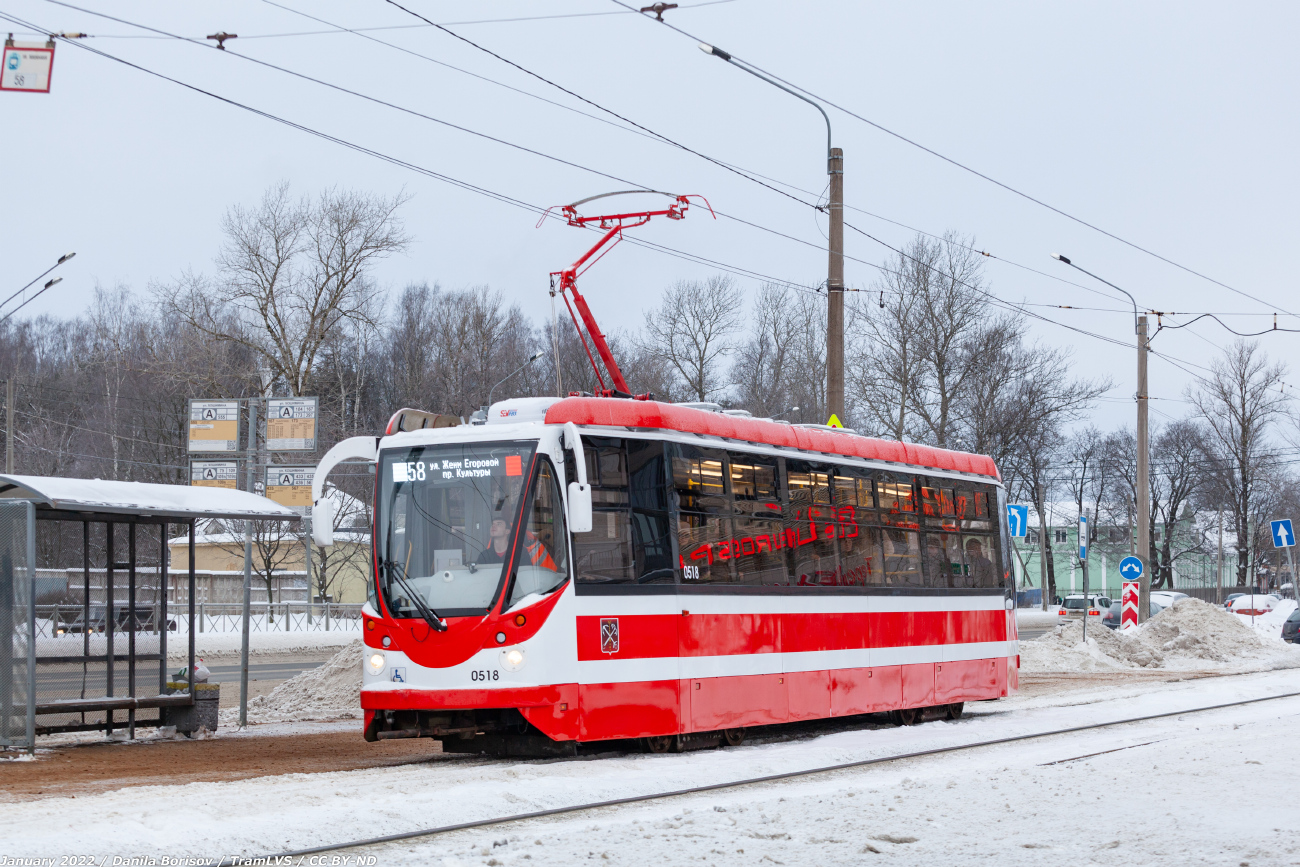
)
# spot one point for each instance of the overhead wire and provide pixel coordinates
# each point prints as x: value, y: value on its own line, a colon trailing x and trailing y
x: 510, y: 200
x: 1078, y: 220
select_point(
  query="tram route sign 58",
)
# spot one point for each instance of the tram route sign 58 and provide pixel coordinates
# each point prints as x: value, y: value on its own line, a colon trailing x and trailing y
x: 26, y: 67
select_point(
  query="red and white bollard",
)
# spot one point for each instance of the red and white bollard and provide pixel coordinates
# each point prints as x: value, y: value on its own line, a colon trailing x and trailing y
x: 1128, y: 618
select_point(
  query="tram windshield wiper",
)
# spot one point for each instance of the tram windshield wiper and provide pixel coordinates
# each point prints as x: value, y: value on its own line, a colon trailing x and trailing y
x: 398, y: 574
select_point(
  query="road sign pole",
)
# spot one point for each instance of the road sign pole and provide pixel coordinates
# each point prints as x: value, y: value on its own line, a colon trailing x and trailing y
x: 1083, y: 559
x: 248, y: 570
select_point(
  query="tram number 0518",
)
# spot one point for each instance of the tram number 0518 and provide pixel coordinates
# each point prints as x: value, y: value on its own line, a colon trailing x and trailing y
x: 485, y: 675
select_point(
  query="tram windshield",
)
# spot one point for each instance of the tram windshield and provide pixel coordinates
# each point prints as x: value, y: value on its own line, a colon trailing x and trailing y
x: 446, y: 523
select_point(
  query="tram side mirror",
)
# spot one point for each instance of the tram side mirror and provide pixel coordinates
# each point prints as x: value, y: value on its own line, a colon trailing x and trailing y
x: 322, y: 522
x: 579, y: 507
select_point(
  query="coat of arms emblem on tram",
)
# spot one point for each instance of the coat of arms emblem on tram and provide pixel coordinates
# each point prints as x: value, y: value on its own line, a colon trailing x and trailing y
x: 609, y: 635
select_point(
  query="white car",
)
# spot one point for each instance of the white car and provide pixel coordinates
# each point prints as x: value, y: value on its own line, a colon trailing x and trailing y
x: 1076, y: 605
x: 1253, y: 604
x: 1165, y: 598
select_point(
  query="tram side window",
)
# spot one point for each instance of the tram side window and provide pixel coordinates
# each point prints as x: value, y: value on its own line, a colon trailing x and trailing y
x: 604, y: 555
x: 649, y: 482
x: 902, y: 556
x: 704, y: 548
x: 897, y: 500
x: 698, y: 479
x: 943, y: 562
x: 981, y: 555
x: 810, y: 524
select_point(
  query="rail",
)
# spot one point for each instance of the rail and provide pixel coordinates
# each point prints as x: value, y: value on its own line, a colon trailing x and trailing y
x: 713, y: 787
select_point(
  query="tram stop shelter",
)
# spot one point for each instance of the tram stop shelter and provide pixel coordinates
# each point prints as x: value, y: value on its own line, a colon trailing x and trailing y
x: 101, y: 649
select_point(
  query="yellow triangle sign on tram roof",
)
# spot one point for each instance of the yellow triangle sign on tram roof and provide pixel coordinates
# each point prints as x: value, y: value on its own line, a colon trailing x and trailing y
x: 834, y: 421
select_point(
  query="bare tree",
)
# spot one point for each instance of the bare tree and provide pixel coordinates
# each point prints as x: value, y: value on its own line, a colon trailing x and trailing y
x: 291, y: 271
x: 690, y: 332
x: 1240, y: 403
x: 782, y: 363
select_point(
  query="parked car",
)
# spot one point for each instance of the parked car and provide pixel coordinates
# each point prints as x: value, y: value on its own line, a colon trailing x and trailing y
x: 1291, y: 628
x: 1253, y: 604
x: 1230, y: 598
x: 123, y: 621
x: 1076, y: 606
x: 1168, y: 597
x: 1113, y: 616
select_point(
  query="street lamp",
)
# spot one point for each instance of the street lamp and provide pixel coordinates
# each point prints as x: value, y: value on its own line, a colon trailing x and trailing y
x: 1143, y: 447
x: 835, y: 270
x: 784, y: 411
x: 65, y: 257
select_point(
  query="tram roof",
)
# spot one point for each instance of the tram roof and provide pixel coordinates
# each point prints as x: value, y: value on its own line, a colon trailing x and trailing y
x: 653, y: 414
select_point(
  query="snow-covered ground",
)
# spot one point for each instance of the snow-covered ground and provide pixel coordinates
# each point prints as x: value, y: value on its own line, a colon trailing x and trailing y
x: 1209, y: 788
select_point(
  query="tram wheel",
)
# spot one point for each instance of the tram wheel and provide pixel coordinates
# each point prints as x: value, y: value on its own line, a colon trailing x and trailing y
x: 734, y: 737
x: 908, y: 716
x: 660, y: 745
x: 954, y: 711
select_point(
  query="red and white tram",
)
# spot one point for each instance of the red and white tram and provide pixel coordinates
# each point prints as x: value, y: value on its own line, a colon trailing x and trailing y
x: 593, y: 568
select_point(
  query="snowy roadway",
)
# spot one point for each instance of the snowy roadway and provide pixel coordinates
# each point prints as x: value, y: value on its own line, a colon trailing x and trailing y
x: 1208, y: 788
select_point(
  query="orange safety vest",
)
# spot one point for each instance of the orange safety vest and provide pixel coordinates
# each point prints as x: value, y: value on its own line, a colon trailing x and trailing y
x: 537, y: 552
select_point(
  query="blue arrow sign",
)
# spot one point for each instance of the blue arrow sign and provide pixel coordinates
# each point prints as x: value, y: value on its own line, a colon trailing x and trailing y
x: 1130, y: 569
x: 1017, y: 520
x: 1083, y: 537
x: 1283, y: 537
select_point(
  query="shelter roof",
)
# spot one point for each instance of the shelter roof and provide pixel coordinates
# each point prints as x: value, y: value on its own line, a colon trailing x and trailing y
x: 141, y: 498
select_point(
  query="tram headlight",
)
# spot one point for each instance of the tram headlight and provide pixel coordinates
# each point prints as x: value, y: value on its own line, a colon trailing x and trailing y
x: 375, y: 664
x: 512, y: 659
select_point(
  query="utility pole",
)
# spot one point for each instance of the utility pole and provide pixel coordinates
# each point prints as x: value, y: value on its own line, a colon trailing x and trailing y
x: 250, y: 467
x: 9, y: 425
x: 1218, y: 570
x: 835, y: 210
x: 1143, y: 477
x: 835, y: 287
x: 1043, y: 547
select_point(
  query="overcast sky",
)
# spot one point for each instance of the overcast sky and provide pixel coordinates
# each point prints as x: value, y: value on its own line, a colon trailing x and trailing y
x: 1169, y: 125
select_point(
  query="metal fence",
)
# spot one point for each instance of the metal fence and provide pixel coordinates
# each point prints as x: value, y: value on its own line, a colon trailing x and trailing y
x: 56, y: 620
x: 17, y: 621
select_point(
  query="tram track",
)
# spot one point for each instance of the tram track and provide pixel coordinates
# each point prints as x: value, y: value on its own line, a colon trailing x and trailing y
x: 733, y: 784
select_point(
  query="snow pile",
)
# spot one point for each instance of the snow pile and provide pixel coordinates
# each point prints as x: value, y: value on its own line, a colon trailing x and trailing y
x: 1188, y: 634
x: 330, y: 691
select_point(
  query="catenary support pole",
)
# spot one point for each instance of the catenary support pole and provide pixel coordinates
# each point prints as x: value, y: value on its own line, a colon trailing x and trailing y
x: 248, y: 567
x: 835, y: 287
x: 1042, y: 544
x: 1218, y: 565
x: 9, y: 425
x: 1143, y: 477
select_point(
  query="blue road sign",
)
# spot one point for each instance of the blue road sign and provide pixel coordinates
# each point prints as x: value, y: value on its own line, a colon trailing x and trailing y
x: 1017, y: 520
x: 1130, y: 569
x: 1283, y: 537
x: 1083, y: 537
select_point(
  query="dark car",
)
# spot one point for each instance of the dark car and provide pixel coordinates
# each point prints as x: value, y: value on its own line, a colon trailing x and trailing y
x: 1227, y: 600
x: 1113, y: 614
x: 143, y: 621
x: 1291, y: 628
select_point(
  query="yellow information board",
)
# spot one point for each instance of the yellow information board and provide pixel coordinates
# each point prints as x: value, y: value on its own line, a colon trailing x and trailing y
x: 214, y: 426
x: 290, y: 486
x: 291, y: 424
x: 214, y: 474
